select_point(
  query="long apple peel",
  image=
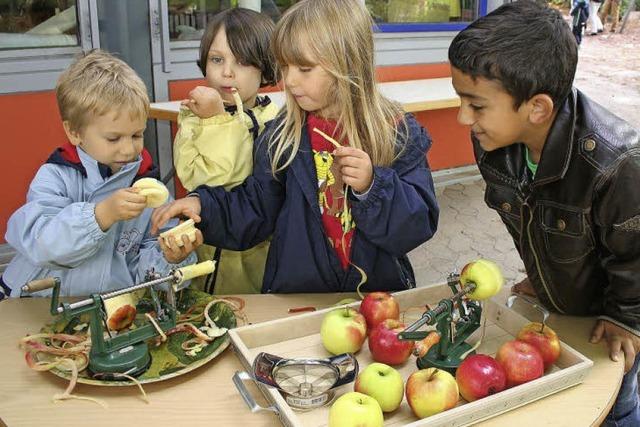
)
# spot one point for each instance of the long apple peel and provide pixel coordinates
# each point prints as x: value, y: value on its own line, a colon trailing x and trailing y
x: 345, y: 212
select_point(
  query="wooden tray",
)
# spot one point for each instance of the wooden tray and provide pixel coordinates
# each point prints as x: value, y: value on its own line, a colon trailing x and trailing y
x: 299, y: 336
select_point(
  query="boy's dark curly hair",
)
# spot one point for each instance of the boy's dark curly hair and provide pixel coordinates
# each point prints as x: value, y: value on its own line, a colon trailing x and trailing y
x: 526, y: 46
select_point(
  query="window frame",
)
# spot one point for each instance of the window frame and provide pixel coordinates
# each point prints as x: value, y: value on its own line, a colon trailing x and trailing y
x: 424, y: 27
x: 37, y: 69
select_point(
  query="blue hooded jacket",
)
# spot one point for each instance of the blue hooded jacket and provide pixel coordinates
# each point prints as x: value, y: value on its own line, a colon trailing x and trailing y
x: 55, y: 233
x: 399, y: 213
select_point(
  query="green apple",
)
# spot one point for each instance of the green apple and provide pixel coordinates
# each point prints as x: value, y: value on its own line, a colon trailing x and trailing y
x: 355, y: 409
x: 487, y: 277
x: 343, y: 330
x: 431, y: 391
x: 383, y: 383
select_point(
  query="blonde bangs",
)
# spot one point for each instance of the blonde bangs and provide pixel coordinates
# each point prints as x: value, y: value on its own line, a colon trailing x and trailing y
x: 290, y: 43
x: 338, y: 36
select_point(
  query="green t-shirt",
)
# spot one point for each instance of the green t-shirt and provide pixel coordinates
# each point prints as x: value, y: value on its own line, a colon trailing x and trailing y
x: 533, y: 167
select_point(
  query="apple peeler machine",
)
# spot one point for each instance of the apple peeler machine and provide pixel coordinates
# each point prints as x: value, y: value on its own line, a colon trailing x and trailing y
x: 124, y: 353
x: 456, y: 318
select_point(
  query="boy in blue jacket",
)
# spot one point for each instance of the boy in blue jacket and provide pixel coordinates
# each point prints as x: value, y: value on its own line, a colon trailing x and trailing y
x: 83, y: 222
x: 561, y: 171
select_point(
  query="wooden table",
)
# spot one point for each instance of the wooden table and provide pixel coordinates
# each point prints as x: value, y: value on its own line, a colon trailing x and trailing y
x: 207, y: 396
x: 414, y: 95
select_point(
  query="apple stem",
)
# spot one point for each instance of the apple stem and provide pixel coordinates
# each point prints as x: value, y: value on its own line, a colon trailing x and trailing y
x: 542, y: 328
x: 433, y: 373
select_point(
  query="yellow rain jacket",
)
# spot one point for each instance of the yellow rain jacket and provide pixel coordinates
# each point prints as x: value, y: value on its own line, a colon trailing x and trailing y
x: 218, y: 151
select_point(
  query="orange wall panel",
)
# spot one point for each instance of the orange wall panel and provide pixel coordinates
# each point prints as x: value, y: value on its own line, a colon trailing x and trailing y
x: 31, y: 130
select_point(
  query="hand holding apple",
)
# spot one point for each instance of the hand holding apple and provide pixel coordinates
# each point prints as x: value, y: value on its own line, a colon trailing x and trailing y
x: 383, y: 383
x: 544, y: 339
x: 521, y: 361
x: 379, y: 306
x: 431, y: 391
x: 479, y: 376
x: 343, y: 330
x: 384, y: 343
x: 355, y: 409
x: 487, y: 277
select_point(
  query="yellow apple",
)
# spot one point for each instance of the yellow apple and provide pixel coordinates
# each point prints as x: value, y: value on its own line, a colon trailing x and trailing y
x: 355, y: 409
x: 383, y: 383
x: 487, y: 277
x: 343, y: 330
x: 431, y: 391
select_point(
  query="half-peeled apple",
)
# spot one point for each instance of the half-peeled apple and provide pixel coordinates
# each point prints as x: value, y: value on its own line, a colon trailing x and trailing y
x: 155, y: 191
x: 186, y: 228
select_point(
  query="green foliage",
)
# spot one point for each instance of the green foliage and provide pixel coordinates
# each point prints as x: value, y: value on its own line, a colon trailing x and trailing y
x: 625, y: 5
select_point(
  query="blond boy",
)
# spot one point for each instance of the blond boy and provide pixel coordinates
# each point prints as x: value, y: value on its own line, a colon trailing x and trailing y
x: 83, y: 222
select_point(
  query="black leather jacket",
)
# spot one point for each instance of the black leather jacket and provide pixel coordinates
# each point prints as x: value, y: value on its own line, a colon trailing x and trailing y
x: 577, y: 224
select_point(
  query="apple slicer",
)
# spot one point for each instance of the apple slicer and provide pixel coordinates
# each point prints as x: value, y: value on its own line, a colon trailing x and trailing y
x: 126, y: 352
x: 305, y: 383
x: 455, y: 318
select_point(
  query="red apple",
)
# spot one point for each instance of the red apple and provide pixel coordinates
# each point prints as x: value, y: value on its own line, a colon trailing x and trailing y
x: 379, y: 306
x: 544, y: 339
x: 521, y: 361
x: 384, y: 343
x: 122, y: 318
x: 479, y: 376
x: 431, y: 391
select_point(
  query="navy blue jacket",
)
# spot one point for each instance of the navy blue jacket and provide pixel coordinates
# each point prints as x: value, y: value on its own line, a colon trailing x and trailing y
x: 399, y: 213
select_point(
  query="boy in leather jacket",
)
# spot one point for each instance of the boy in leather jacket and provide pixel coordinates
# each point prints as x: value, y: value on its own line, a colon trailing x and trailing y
x: 561, y: 171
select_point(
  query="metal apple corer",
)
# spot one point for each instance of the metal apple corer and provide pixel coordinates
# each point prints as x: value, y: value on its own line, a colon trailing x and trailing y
x: 305, y: 383
x: 128, y: 352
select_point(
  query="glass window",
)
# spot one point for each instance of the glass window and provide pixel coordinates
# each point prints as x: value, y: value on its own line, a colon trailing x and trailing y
x: 38, y: 23
x: 188, y: 18
x: 422, y: 11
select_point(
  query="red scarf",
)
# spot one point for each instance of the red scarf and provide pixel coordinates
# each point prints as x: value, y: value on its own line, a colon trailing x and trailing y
x: 330, y: 187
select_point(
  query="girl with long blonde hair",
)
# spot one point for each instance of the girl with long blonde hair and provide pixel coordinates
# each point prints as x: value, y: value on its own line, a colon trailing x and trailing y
x: 340, y: 180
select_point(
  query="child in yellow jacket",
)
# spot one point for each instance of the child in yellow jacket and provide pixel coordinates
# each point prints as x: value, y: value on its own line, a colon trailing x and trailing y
x: 218, y: 125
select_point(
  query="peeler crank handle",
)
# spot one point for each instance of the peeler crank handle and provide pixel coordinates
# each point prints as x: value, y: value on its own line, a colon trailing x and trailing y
x: 238, y: 379
x: 40, y: 284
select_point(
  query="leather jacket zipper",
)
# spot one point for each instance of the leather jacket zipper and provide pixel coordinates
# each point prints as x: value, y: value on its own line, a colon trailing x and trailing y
x: 535, y: 255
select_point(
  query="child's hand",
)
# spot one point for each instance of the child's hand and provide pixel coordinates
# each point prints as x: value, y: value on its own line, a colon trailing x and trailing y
x: 189, y: 207
x: 524, y: 287
x: 356, y: 168
x: 204, y: 102
x: 123, y: 204
x: 175, y: 254
x: 617, y: 339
